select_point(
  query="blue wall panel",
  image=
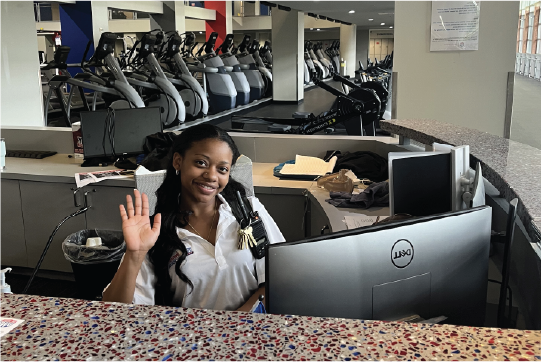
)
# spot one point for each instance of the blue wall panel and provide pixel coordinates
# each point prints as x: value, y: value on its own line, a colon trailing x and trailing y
x: 76, y: 20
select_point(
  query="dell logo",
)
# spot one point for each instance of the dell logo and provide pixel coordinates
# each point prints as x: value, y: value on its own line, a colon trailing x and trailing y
x: 402, y: 253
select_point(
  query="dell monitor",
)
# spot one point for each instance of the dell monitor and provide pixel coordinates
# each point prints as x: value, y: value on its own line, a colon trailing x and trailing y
x: 123, y: 129
x: 428, y: 266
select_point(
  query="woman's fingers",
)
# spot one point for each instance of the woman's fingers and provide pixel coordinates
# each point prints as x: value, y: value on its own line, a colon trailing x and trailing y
x: 129, y: 206
x: 157, y: 223
x: 123, y: 214
x: 145, y: 210
x: 138, y: 203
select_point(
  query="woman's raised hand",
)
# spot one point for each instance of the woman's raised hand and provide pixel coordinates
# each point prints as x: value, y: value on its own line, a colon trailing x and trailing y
x: 138, y: 233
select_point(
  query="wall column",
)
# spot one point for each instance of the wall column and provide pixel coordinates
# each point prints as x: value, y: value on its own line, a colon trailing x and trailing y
x: 348, y: 47
x: 465, y: 88
x: 363, y: 47
x: 223, y: 24
x: 100, y: 20
x: 21, y: 82
x: 288, y: 55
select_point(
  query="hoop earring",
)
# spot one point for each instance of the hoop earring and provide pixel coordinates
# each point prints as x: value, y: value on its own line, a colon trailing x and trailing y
x: 177, y: 172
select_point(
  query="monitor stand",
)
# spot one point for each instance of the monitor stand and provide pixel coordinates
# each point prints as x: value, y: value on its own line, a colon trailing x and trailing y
x: 125, y: 164
x: 97, y: 161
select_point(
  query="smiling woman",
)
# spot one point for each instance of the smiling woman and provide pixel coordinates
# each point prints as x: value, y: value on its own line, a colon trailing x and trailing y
x: 189, y: 254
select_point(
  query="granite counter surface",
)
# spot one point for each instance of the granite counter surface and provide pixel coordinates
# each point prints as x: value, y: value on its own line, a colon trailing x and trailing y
x: 512, y: 167
x: 72, y: 329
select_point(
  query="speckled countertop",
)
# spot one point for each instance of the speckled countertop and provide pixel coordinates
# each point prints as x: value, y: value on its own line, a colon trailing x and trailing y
x: 512, y: 167
x: 72, y: 329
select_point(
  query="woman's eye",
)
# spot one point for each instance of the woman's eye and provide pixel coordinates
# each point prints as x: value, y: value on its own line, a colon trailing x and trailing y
x: 201, y: 163
x: 224, y: 169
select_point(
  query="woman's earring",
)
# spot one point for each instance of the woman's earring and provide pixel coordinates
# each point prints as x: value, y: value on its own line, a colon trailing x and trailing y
x: 177, y: 172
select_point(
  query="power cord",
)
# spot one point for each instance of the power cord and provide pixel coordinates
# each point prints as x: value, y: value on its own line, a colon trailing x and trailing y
x: 109, y: 132
x: 49, y: 242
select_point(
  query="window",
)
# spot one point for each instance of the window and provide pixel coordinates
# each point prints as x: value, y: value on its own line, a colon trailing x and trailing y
x: 539, y: 39
x: 521, y: 33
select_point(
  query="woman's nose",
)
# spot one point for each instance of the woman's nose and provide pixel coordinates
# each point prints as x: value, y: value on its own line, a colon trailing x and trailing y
x: 210, y: 174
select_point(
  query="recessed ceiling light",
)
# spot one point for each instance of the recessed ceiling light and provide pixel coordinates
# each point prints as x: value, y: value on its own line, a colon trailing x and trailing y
x: 311, y: 28
x: 370, y: 19
x: 352, y: 11
x: 318, y: 29
x: 382, y: 24
x: 390, y: 27
x: 200, y: 32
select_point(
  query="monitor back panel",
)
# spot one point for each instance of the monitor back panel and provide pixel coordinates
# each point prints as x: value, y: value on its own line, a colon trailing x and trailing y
x: 421, y: 186
x: 432, y: 268
x: 131, y: 128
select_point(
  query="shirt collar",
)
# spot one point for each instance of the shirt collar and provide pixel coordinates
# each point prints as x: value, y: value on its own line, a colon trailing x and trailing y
x: 226, y: 215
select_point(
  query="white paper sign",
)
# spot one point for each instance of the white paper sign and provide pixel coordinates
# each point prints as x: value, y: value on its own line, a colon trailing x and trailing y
x: 454, y: 25
x: 8, y: 324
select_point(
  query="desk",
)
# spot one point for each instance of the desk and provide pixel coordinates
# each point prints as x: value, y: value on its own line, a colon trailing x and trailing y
x: 29, y: 184
x: 57, y: 328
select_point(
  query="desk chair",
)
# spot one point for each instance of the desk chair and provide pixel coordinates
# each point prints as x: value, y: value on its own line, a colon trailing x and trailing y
x: 149, y: 183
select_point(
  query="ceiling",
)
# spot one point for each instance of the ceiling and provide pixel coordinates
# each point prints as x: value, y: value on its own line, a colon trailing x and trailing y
x: 380, y: 11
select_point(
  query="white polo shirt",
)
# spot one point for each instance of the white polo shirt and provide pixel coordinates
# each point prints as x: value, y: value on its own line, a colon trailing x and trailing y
x: 223, y: 276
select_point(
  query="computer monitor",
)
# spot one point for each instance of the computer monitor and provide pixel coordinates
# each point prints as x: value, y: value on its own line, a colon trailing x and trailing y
x: 131, y: 126
x: 419, y: 183
x: 426, y: 183
x: 429, y: 266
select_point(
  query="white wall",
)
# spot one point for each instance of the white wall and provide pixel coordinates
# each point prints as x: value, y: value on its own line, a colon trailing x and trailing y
x: 252, y: 23
x: 153, y: 7
x: 466, y: 88
x: 21, y: 98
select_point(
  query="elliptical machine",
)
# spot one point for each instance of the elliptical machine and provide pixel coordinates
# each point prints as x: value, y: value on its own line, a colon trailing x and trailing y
x: 322, y: 71
x: 253, y: 49
x: 193, y: 95
x: 252, y: 75
x: 114, y: 87
x: 148, y: 76
x: 230, y: 65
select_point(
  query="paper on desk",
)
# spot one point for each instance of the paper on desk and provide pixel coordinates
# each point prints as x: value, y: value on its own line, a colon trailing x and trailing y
x: 305, y: 165
x: 359, y: 220
x: 7, y: 324
x: 85, y: 178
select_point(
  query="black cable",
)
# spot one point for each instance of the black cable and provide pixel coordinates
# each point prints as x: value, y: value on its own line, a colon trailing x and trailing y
x: 111, y: 129
x: 49, y: 242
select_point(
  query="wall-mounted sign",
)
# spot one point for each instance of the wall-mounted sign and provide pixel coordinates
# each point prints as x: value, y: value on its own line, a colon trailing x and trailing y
x: 454, y: 25
x: 382, y: 33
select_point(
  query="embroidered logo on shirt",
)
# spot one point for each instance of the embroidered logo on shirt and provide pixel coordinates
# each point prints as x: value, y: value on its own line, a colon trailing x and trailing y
x: 177, y: 255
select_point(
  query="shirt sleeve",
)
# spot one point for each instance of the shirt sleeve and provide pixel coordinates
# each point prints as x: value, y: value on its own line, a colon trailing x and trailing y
x: 144, y: 283
x: 273, y: 232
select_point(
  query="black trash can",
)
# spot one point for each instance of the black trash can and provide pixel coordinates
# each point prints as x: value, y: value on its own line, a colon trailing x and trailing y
x: 94, y: 267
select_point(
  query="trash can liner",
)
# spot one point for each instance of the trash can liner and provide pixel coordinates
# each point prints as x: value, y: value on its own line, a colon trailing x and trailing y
x: 112, y: 248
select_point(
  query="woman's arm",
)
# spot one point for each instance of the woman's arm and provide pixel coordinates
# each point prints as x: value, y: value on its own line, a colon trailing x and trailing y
x: 122, y: 286
x: 251, y: 301
x: 139, y: 236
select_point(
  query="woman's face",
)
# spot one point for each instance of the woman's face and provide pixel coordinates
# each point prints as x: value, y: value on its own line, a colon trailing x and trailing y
x: 204, y: 169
